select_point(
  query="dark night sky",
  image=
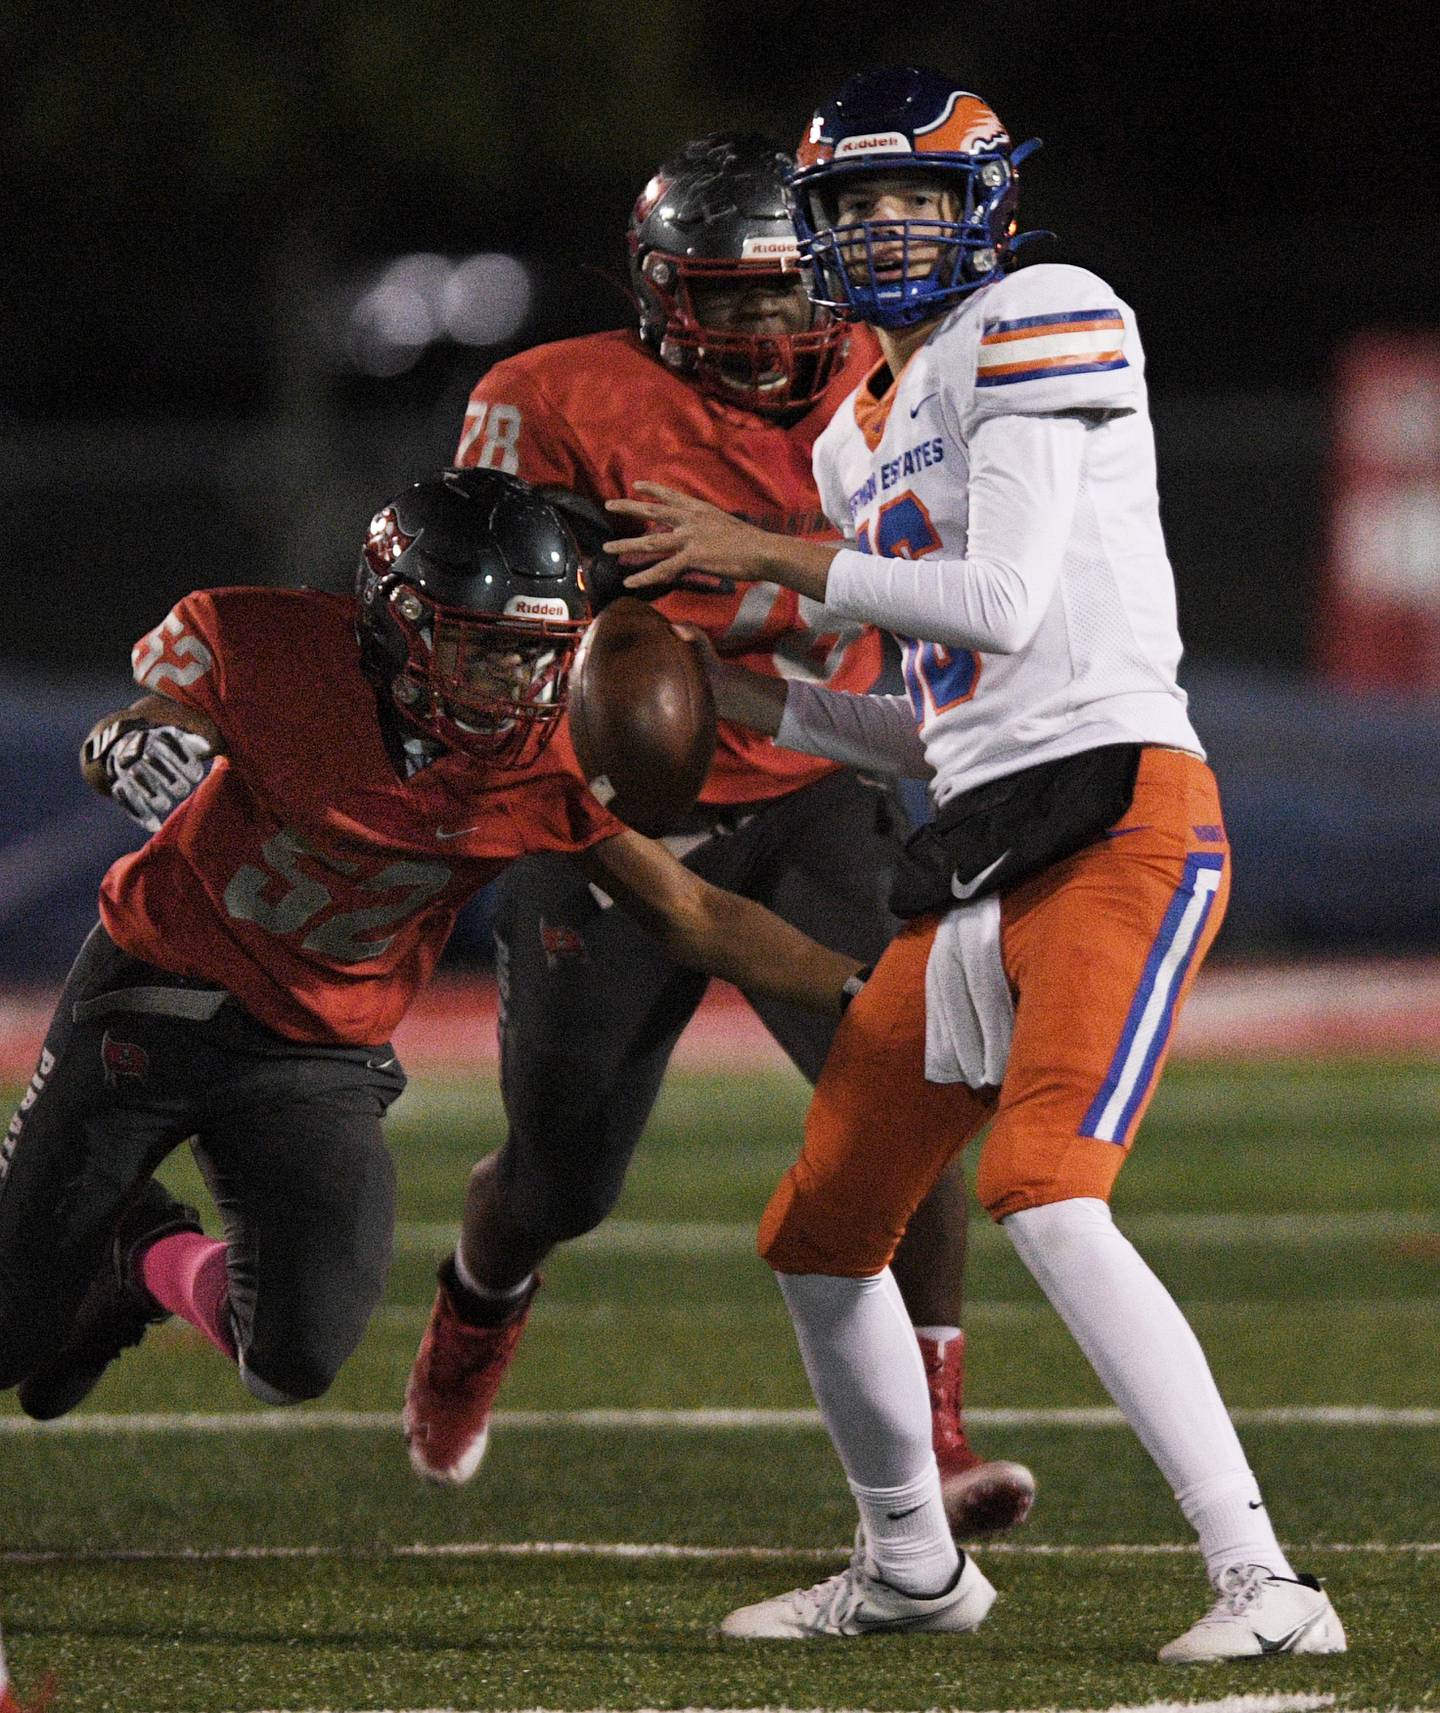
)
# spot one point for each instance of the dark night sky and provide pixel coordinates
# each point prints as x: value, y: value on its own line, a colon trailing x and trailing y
x: 1256, y: 179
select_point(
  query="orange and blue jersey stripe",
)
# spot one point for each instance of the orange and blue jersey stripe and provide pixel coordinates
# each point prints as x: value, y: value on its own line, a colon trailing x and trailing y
x: 1035, y: 347
x: 1116, y: 1108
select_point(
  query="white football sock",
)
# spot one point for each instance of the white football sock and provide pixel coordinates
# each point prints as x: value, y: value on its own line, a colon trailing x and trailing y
x: 865, y: 1370
x: 1148, y: 1359
x: 907, y: 1534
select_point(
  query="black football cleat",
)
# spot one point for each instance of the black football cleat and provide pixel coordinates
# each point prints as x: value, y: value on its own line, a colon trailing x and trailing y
x: 115, y: 1312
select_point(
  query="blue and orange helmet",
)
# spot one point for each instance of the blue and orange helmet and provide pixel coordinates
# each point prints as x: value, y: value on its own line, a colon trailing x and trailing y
x: 906, y: 121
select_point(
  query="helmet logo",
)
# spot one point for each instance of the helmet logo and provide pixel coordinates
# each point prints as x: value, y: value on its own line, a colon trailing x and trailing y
x: 649, y: 197
x: 782, y: 250
x: 527, y: 607
x: 386, y: 540
x: 874, y: 143
x: 967, y: 126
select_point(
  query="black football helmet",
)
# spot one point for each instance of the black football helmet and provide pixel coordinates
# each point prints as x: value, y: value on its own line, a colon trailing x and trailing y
x: 717, y: 211
x: 471, y: 598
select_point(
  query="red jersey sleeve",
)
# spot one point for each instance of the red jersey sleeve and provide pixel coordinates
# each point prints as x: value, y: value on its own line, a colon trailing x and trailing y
x: 512, y: 424
x: 553, y: 809
x: 184, y: 657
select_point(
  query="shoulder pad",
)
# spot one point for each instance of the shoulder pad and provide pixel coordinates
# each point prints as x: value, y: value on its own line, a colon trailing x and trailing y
x: 1055, y: 338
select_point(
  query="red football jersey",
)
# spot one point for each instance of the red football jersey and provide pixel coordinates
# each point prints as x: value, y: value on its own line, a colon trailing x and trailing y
x: 600, y: 413
x: 304, y: 875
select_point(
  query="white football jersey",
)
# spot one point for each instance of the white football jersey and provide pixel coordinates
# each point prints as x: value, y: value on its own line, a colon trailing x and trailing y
x: 1002, y: 503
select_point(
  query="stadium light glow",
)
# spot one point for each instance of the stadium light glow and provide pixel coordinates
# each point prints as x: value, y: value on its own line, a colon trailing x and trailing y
x: 422, y: 299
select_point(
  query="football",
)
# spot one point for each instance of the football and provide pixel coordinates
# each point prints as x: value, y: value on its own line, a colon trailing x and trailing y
x: 642, y: 717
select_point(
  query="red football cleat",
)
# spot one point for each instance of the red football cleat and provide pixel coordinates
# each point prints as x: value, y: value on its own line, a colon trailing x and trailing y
x: 43, y: 1697
x: 452, y: 1386
x: 983, y: 1496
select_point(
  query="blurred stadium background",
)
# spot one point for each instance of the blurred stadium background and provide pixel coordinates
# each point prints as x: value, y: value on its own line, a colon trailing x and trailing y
x: 253, y: 272
x: 254, y: 259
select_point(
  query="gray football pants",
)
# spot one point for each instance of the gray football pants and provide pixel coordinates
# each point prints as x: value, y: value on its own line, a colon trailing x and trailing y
x: 288, y: 1136
x: 591, y: 1007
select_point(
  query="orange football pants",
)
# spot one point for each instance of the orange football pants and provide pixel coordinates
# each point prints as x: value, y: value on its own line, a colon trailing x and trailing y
x: 1100, y: 951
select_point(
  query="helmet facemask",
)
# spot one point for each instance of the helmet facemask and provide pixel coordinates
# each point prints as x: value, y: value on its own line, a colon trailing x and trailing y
x: 491, y: 685
x: 769, y: 373
x: 860, y: 273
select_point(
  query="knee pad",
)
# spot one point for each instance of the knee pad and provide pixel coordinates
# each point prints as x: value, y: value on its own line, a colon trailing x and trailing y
x: 558, y: 1206
x: 1015, y: 1174
x: 796, y: 1237
x: 297, y: 1383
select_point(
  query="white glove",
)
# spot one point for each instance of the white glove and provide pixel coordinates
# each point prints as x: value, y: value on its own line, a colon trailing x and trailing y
x: 154, y: 768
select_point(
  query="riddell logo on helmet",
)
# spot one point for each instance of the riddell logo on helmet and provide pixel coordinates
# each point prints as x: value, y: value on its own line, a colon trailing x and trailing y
x: 768, y: 249
x: 874, y: 143
x: 525, y: 607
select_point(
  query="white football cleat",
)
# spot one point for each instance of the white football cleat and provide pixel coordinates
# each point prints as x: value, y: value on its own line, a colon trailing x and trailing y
x: 1260, y: 1613
x: 857, y: 1603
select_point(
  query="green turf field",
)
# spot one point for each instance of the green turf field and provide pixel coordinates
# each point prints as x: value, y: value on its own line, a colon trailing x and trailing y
x: 238, y: 1564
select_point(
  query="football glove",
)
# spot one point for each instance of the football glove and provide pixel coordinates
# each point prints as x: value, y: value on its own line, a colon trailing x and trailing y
x: 153, y: 768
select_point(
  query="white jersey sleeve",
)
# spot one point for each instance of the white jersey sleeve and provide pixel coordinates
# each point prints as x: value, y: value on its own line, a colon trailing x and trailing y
x: 1024, y: 483
x: 858, y: 731
x: 1055, y: 338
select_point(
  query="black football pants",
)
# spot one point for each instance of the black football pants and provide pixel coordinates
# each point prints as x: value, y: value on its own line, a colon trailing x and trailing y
x: 591, y: 1007
x: 288, y: 1136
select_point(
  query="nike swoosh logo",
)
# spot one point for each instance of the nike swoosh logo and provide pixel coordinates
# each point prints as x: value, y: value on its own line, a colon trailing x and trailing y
x: 1256, y: 1504
x: 916, y: 409
x: 964, y: 889
x: 455, y: 832
x: 906, y: 1623
x: 895, y: 1516
x: 1120, y: 832
x: 1283, y: 1644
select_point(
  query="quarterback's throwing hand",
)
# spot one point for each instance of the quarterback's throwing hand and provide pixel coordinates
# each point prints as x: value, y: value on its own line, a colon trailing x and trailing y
x: 691, y: 537
x: 154, y: 768
x: 688, y: 534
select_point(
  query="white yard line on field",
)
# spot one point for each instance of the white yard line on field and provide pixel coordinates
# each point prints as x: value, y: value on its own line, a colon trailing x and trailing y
x: 682, y: 1421
x: 643, y: 1550
x: 413, y: 1316
x: 1293, y: 1703
x: 1186, y: 1230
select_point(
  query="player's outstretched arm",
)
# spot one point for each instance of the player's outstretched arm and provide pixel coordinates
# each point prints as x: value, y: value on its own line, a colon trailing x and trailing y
x: 690, y: 535
x: 744, y: 697
x: 149, y: 757
x: 719, y: 932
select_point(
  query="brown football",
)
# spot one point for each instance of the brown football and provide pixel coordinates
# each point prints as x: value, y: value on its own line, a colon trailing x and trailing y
x: 642, y: 717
